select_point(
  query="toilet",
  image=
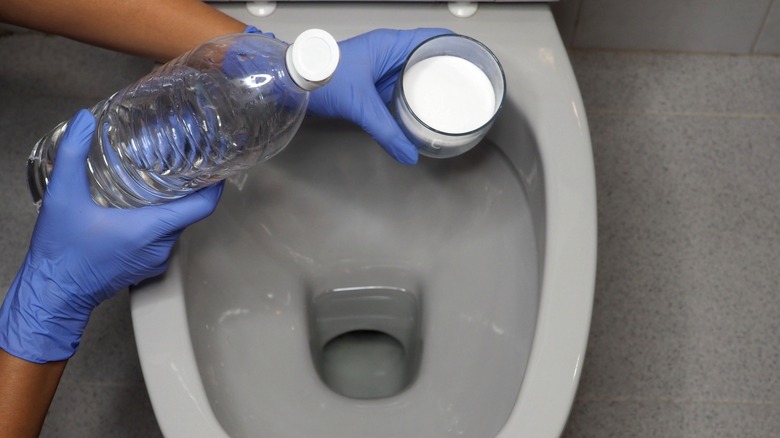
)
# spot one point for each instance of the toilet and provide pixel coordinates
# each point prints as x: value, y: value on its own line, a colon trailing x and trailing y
x: 338, y: 294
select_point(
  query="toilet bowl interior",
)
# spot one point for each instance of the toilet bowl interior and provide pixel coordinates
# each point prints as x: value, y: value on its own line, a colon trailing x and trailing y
x: 366, y: 341
x: 294, y: 247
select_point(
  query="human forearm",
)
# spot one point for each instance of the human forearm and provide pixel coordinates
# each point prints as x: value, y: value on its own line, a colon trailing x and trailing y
x: 160, y: 30
x: 26, y: 391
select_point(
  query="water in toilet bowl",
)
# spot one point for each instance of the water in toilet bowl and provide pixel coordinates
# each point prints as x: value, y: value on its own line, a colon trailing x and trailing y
x: 365, y: 364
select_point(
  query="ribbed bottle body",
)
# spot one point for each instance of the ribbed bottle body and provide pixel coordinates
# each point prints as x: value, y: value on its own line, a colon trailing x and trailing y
x: 214, y: 111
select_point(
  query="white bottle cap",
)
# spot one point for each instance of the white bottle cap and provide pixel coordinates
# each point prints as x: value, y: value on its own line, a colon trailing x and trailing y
x: 312, y: 59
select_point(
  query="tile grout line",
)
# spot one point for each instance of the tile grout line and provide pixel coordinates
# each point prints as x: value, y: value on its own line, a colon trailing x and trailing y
x: 577, y: 15
x: 665, y: 52
x: 692, y: 114
x: 104, y: 384
x: 762, y: 28
x: 630, y: 399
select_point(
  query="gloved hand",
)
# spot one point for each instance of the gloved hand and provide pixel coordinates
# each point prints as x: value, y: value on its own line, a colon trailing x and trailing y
x: 82, y: 254
x: 363, y: 84
x: 239, y: 57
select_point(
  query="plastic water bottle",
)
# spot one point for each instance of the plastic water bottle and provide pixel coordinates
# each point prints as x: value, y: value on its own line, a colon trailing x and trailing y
x: 226, y: 105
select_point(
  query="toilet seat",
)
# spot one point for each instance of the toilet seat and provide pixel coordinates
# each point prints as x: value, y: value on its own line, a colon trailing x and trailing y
x: 560, y: 179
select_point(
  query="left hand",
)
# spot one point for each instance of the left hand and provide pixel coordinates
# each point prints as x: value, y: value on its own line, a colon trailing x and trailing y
x: 363, y: 84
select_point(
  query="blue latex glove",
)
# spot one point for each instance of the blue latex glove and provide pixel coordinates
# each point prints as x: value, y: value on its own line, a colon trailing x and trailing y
x: 82, y: 254
x: 362, y: 87
x: 238, y: 57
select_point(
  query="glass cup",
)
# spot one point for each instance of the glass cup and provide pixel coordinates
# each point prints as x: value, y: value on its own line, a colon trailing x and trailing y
x: 448, y: 95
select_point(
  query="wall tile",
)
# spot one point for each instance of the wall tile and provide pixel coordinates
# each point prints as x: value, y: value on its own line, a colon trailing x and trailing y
x: 769, y: 40
x: 565, y: 13
x: 727, y: 26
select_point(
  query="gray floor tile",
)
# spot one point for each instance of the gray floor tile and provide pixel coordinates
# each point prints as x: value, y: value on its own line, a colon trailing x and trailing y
x: 672, y: 419
x: 23, y: 120
x: 35, y: 64
x: 686, y: 295
x: 728, y: 419
x: 108, y: 352
x: 625, y: 419
x: 88, y: 410
x: 678, y: 83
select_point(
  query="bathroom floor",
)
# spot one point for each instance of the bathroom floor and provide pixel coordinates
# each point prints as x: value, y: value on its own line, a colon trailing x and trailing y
x: 685, y: 338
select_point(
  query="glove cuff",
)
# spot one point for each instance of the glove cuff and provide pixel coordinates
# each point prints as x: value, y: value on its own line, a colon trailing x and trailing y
x: 234, y: 64
x: 252, y: 29
x: 36, y: 324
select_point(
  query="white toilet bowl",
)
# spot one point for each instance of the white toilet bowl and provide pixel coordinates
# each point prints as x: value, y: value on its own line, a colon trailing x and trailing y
x: 336, y: 293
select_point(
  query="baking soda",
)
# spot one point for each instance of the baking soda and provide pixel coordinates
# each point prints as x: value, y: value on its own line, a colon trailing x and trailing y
x: 449, y: 94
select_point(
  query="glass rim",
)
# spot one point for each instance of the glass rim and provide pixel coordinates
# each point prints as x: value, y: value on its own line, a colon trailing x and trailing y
x: 481, y: 45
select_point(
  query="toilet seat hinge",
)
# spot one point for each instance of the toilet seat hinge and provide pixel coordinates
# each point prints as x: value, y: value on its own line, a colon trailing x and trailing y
x: 463, y: 9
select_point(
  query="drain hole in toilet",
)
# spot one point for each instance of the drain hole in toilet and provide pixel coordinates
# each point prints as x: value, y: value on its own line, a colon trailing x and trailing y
x: 365, y: 364
x: 365, y: 341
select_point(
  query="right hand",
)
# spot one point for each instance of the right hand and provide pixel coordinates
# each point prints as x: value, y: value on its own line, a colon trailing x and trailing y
x: 82, y: 254
x: 362, y: 87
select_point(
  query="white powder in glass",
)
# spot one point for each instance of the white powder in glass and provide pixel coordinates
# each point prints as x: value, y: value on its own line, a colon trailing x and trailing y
x: 449, y: 94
